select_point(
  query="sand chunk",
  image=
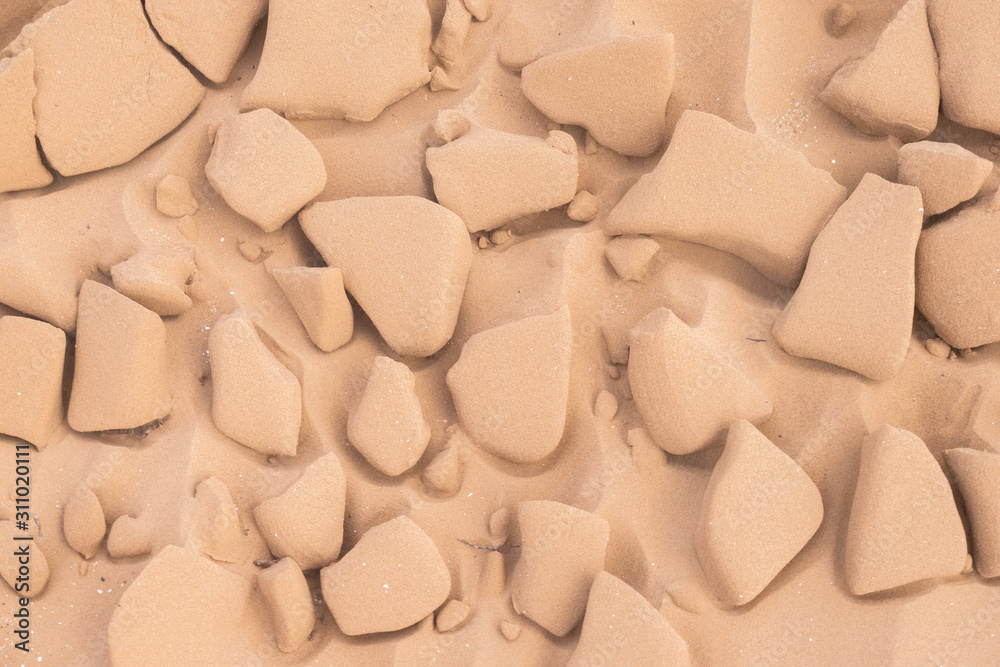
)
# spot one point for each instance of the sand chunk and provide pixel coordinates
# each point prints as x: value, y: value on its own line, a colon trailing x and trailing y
x: 32, y: 354
x: 177, y: 609
x: 687, y: 393
x: 174, y: 197
x: 957, y: 277
x: 21, y: 167
x: 264, y: 168
x: 388, y: 427
x: 83, y: 522
x: 946, y: 174
x: 967, y: 36
x: 978, y: 475
x: 452, y: 615
x: 904, y: 525
x: 734, y: 191
x: 215, y: 526
x: 9, y: 561
x: 122, y: 377
x: 454, y: 29
x: 286, y: 592
x: 490, y: 177
x: 391, y: 579
x: 103, y: 100
x: 209, y: 35
x: 584, y: 207
x: 893, y: 89
x: 511, y: 386
x: 631, y: 255
x: 622, y: 628
x: 306, y: 522
x: 444, y: 473
x: 338, y: 60
x: 759, y: 510
x: 617, y: 90
x: 320, y: 301
x: 562, y: 550
x: 404, y: 259
x: 854, y: 307
x: 129, y: 537
x: 156, y: 279
x: 255, y: 400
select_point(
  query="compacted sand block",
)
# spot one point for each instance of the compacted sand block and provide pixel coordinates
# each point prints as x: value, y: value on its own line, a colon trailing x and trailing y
x: 978, y: 475
x: 562, y: 550
x: 854, y: 307
x: 392, y: 578
x: 946, y: 174
x: 83, y: 522
x: 967, y: 36
x: 174, y: 197
x: 32, y: 354
x: 511, y: 386
x: 319, y: 299
x: 617, y: 90
x: 687, y: 393
x: 104, y: 99
x: 759, y: 510
x: 183, y: 609
x: 38, y: 576
x: 904, y: 525
x: 306, y: 522
x: 255, y: 400
x: 490, y: 177
x: 958, y: 290
x: 411, y: 287
x: 734, y: 191
x: 122, y: 377
x: 215, y: 524
x: 338, y: 60
x: 21, y: 167
x: 893, y: 89
x: 264, y: 168
x: 211, y: 36
x: 388, y: 426
x: 286, y: 592
x: 630, y: 255
x: 156, y: 279
x: 622, y: 628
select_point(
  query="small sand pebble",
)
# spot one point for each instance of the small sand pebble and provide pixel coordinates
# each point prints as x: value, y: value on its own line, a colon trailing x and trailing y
x: 631, y: 255
x: 499, y: 527
x: 606, y: 405
x: 584, y: 207
x: 83, y: 522
x: 483, y: 242
x: 969, y: 565
x: 320, y: 300
x: 32, y: 355
x: 444, y: 473
x: 250, y: 250
x: 452, y: 616
x: 938, y: 347
x: 841, y: 18
x: 501, y: 236
x: 286, y: 594
x: 129, y: 537
x: 450, y: 124
x: 174, y: 197
x: 510, y: 630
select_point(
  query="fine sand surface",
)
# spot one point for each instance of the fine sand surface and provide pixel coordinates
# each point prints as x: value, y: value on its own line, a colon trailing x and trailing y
x: 500, y: 332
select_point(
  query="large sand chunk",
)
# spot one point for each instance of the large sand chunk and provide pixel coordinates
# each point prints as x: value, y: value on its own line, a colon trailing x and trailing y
x: 622, y: 628
x: 617, y: 90
x: 735, y: 191
x: 209, y: 35
x: 341, y: 60
x: 978, y: 475
x: 306, y: 522
x: 759, y: 510
x: 32, y: 354
x: 264, y: 168
x: 21, y: 167
x: 562, y: 550
x: 317, y: 294
x: 893, y: 89
x: 391, y: 579
x: 904, y: 525
x: 388, y: 426
x: 946, y: 174
x: 490, y: 177
x: 967, y: 37
x: 958, y: 276
x: 286, y: 592
x: 122, y: 377
x: 255, y: 400
x: 687, y: 393
x: 107, y: 87
x: 405, y: 260
x: 177, y: 610
x: 511, y: 386
x: 854, y: 307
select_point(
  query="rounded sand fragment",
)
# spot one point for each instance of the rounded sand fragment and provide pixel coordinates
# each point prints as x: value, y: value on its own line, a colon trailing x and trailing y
x: 388, y: 426
x: 21, y: 166
x: 392, y: 578
x: 255, y: 400
x: 306, y: 522
x: 978, y: 475
x: 174, y: 197
x: 83, y: 522
x: 129, y: 537
x: 562, y: 550
x: 584, y: 207
x: 904, y: 524
x: 946, y: 174
x: 32, y: 354
x: 320, y: 301
x: 606, y: 405
x: 156, y: 279
x: 452, y: 616
x: 286, y: 594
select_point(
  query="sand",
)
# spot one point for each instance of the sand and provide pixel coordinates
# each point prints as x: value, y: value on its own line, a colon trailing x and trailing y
x: 520, y: 332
